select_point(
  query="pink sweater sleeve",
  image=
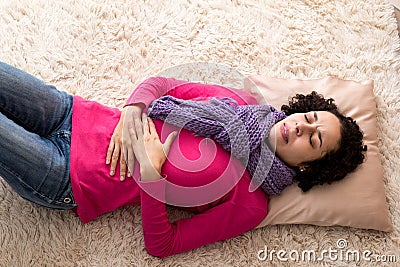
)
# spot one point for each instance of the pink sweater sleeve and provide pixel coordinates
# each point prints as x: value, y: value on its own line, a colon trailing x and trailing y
x: 155, y: 87
x: 227, y: 220
x: 151, y: 89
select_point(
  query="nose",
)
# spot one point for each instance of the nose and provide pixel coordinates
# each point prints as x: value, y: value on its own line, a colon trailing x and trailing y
x: 305, y: 128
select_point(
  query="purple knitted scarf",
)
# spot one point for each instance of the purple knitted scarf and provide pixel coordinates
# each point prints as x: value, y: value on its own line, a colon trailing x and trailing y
x: 240, y: 130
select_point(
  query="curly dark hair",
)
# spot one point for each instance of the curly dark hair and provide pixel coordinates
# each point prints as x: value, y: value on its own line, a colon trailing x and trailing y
x: 335, y: 165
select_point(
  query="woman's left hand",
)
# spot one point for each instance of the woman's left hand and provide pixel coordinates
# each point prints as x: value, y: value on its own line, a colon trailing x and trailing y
x: 150, y: 153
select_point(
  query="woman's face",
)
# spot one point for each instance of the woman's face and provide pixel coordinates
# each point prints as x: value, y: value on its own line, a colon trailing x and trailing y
x: 304, y: 137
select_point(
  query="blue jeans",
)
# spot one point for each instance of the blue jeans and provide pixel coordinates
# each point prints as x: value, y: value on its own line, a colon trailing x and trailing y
x: 35, y: 138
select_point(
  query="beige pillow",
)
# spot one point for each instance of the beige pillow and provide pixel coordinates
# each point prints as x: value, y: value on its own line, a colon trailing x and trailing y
x: 359, y: 199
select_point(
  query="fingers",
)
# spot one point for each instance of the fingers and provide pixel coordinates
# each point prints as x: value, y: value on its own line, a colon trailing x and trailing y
x: 153, y: 131
x: 168, y: 142
x: 126, y: 147
x: 120, y: 149
x: 114, y: 159
x: 151, y: 126
x: 128, y: 154
x: 125, y: 154
x: 132, y: 132
x: 146, y: 146
x: 145, y: 121
x: 138, y: 126
x: 110, y: 151
x: 122, y: 167
x: 131, y: 162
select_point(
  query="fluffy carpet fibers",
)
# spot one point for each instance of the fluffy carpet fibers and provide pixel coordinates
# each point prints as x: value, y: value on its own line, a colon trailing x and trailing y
x: 101, y: 49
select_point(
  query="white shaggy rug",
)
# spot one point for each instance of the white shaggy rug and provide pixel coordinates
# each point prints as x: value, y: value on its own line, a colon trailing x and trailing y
x: 101, y: 49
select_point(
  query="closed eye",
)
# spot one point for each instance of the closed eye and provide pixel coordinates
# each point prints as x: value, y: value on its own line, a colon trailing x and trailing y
x: 305, y: 116
x: 311, y: 143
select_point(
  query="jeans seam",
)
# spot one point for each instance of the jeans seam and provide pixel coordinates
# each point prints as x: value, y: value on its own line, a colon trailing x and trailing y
x: 50, y: 201
x: 65, y: 99
x: 60, y: 133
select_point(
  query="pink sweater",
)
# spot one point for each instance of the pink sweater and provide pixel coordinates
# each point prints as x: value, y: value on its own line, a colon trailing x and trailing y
x: 223, y: 210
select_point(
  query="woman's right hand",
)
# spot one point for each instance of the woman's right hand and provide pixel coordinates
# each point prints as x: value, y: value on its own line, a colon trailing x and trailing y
x: 120, y: 147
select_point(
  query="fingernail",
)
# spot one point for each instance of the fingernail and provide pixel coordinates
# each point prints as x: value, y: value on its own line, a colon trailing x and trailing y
x: 129, y: 174
x: 107, y: 161
x: 121, y: 178
x: 112, y: 173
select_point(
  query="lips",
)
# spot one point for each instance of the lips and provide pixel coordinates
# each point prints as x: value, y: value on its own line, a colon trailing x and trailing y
x: 285, y: 132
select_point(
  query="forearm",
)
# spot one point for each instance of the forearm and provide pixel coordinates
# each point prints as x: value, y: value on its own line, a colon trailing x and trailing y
x: 157, y: 230
x: 151, y: 89
x: 226, y: 220
x: 155, y: 87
